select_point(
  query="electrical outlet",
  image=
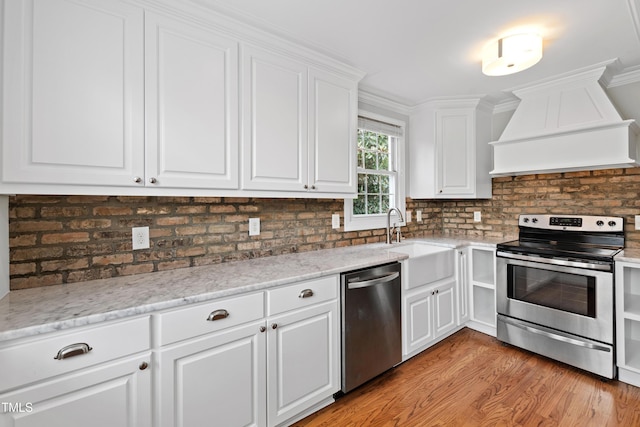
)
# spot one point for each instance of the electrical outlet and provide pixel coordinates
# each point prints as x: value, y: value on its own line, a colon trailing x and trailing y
x: 477, y: 216
x: 419, y: 216
x: 335, y: 221
x: 254, y: 226
x: 407, y: 217
x: 140, y: 238
x: 637, y: 222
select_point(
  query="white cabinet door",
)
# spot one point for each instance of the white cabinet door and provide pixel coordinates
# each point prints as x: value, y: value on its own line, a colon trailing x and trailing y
x: 274, y: 122
x: 219, y: 379
x: 450, y: 154
x: 303, y: 354
x: 191, y: 105
x: 455, y: 144
x: 444, y: 308
x: 429, y: 313
x: 73, y: 83
x: 107, y: 395
x: 418, y: 330
x: 332, y: 133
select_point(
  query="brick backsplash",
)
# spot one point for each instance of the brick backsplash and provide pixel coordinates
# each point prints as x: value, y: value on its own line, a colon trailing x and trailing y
x: 64, y: 239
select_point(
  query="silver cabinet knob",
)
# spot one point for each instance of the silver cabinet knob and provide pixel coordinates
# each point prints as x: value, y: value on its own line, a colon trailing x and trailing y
x: 306, y: 187
x: 143, y: 366
x: 274, y: 325
x: 313, y: 187
x: 137, y: 180
x: 262, y: 328
x: 152, y: 180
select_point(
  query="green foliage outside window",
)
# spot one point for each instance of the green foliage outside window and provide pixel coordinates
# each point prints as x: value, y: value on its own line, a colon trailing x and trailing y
x: 374, y: 181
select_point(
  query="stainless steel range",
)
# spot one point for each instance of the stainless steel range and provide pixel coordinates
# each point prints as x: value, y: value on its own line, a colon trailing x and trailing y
x: 555, y: 293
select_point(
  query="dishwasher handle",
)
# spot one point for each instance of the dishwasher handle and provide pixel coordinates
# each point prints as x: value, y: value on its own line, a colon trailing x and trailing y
x: 372, y: 282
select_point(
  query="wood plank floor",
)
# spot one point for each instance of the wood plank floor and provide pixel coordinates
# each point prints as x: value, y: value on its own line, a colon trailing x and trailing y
x: 471, y: 379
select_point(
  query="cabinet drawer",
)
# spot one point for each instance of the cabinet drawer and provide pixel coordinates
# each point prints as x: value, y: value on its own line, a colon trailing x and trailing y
x: 297, y: 295
x: 192, y: 321
x: 27, y: 362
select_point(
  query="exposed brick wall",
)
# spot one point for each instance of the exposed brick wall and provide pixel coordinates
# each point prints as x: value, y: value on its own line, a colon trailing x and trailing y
x: 63, y: 239
x: 613, y: 192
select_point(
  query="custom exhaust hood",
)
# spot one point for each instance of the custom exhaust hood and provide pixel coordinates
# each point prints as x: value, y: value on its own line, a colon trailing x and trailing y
x: 568, y: 124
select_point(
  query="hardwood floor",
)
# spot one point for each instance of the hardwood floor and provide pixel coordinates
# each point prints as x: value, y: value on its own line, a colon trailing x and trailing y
x: 471, y: 379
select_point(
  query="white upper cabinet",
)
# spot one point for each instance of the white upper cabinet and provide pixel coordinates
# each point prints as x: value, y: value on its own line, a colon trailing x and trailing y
x: 299, y: 126
x: 450, y: 156
x: 125, y: 97
x: 73, y: 92
x: 274, y: 134
x: 333, y: 112
x: 191, y: 105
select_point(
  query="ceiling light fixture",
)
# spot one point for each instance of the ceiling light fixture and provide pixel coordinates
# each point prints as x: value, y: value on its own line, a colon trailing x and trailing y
x: 511, y: 54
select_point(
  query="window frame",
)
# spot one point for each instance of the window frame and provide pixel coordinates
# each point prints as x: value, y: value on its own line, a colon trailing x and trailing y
x: 369, y: 222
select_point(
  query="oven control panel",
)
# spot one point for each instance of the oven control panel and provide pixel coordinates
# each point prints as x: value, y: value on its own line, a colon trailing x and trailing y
x: 572, y: 222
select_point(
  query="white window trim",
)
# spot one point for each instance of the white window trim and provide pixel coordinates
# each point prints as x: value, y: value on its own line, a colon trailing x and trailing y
x: 370, y: 222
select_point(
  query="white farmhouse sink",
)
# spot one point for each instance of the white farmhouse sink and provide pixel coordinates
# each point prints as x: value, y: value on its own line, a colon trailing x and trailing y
x: 426, y: 263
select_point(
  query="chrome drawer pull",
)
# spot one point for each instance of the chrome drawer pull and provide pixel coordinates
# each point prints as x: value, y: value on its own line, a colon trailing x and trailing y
x: 307, y: 293
x: 73, y: 350
x: 217, y: 315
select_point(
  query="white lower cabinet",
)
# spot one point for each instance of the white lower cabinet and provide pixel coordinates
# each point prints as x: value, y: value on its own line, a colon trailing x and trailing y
x: 218, y: 379
x: 303, y: 360
x: 253, y: 368
x: 430, y: 313
x: 101, y: 377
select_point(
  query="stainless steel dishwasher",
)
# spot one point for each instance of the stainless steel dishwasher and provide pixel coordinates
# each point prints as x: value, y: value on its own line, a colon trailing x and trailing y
x: 371, y: 323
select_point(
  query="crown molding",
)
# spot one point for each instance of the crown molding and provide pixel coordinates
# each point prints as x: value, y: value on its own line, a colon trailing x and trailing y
x: 383, y: 102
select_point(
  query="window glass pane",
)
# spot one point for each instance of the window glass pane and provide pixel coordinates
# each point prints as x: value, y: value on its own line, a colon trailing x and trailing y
x: 359, y: 205
x: 383, y: 162
x: 360, y: 139
x: 373, y: 184
x: 370, y: 160
x: 384, y: 205
x: 370, y: 140
x: 384, y: 184
x: 362, y: 183
x: 383, y: 143
x: 360, y: 159
x: 373, y: 204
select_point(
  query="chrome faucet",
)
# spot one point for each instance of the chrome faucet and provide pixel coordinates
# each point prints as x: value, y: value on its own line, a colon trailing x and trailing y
x: 396, y: 227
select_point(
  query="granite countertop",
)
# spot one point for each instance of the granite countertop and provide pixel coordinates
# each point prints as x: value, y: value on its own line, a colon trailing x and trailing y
x: 30, y: 312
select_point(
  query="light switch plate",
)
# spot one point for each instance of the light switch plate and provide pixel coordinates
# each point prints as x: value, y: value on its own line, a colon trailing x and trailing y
x: 419, y: 216
x: 139, y: 238
x: 408, y: 217
x: 335, y: 221
x: 254, y: 226
x: 477, y: 216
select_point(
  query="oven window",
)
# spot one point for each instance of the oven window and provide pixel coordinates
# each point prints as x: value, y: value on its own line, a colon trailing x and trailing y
x: 572, y: 293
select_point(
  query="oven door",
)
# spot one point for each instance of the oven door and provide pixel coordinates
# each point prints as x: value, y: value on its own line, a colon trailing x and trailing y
x: 570, y: 299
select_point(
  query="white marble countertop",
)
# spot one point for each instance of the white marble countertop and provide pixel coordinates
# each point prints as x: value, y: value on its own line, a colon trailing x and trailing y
x: 30, y: 312
x: 629, y: 255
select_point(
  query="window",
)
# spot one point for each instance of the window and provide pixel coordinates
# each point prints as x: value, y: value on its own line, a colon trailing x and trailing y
x: 380, y: 179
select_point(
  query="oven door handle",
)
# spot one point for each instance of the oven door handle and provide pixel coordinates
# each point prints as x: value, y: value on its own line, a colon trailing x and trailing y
x: 556, y: 336
x: 552, y: 261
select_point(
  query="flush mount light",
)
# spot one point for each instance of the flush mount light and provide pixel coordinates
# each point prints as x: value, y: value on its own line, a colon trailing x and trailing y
x: 511, y: 54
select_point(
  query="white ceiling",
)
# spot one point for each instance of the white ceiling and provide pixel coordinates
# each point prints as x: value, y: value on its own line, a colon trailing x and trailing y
x: 416, y: 50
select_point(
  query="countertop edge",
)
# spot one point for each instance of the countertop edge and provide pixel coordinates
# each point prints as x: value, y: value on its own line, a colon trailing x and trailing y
x: 383, y: 254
